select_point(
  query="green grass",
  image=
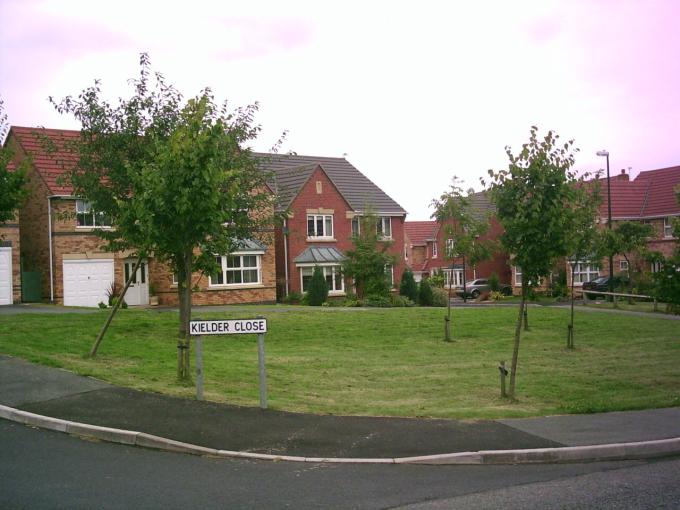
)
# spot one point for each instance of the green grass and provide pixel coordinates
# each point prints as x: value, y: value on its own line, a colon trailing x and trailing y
x: 386, y: 362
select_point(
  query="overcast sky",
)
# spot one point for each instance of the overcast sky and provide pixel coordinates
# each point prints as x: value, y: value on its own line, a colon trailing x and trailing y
x: 412, y: 92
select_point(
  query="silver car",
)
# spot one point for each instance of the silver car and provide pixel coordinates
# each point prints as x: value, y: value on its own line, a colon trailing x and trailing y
x: 474, y: 288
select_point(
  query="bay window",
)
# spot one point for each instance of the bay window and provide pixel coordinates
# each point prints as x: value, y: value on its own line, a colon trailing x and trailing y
x: 332, y: 274
x: 237, y: 269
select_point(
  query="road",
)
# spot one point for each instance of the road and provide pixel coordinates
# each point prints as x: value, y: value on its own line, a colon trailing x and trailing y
x: 43, y: 469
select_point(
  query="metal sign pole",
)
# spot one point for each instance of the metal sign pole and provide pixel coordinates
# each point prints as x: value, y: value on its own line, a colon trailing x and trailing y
x: 199, y: 368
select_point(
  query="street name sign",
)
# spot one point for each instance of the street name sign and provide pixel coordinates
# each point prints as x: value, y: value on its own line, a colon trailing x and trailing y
x: 228, y: 327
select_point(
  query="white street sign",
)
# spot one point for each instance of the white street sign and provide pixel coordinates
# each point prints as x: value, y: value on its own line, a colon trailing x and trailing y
x: 228, y: 327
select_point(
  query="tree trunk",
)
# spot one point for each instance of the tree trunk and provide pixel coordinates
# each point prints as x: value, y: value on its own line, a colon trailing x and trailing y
x: 518, y: 331
x: 100, y: 336
x: 183, y: 340
x: 526, y: 317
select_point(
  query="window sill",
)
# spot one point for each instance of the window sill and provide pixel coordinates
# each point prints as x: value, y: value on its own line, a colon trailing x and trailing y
x: 90, y: 229
x: 236, y: 286
x: 321, y: 240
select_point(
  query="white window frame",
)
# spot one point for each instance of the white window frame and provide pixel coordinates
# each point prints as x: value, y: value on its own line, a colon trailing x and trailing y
x: 450, y: 247
x: 434, y: 249
x: 590, y: 269
x: 457, y: 277
x: 335, y: 270
x: 84, y: 209
x: 323, y: 218
x: 667, y: 227
x: 356, y: 220
x: 225, y: 269
x: 623, y: 265
x: 389, y: 270
x: 384, y: 224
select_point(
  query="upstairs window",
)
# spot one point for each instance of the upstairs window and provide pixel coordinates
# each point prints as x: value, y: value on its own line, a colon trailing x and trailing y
x: 450, y: 247
x: 87, y: 217
x: 667, y: 227
x: 320, y: 225
x: 356, y: 226
x: 384, y: 227
x: 434, y: 250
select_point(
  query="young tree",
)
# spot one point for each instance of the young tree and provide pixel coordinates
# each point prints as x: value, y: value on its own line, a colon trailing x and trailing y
x: 176, y: 178
x: 530, y: 198
x: 583, y: 235
x: 462, y: 227
x: 425, y: 294
x: 368, y: 261
x: 318, y: 288
x: 408, y: 286
x: 12, y: 191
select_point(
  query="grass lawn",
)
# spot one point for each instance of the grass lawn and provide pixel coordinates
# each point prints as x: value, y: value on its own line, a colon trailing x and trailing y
x: 388, y: 362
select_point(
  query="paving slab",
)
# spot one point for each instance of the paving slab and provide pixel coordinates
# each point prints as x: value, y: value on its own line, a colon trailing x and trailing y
x: 603, y: 428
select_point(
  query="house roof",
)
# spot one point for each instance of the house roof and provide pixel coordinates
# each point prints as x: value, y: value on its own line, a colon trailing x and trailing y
x: 48, y: 149
x: 419, y: 232
x: 292, y: 171
x: 651, y: 194
x: 320, y: 255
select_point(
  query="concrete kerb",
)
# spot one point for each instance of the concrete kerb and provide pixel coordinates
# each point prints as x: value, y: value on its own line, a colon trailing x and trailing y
x: 592, y: 453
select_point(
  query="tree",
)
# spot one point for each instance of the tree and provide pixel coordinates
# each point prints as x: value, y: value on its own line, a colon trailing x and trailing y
x: 12, y: 191
x: 368, y: 261
x: 176, y: 178
x: 425, y: 294
x: 583, y: 235
x: 530, y: 198
x: 667, y: 279
x: 629, y: 239
x: 408, y: 286
x: 462, y: 227
x: 318, y: 288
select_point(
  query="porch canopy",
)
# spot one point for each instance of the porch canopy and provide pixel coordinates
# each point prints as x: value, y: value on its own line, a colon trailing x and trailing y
x: 320, y: 255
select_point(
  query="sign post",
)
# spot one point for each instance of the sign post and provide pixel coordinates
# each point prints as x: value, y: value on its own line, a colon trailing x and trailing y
x: 198, y: 328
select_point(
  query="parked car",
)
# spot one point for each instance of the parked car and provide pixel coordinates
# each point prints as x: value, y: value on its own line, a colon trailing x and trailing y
x: 474, y: 288
x: 601, y: 284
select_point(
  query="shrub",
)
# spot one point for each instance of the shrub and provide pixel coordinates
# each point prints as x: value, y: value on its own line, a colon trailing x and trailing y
x: 293, y: 298
x: 425, y: 296
x: 408, y: 287
x: 102, y: 305
x: 438, y: 279
x: 494, y: 282
x: 318, y: 288
x: 440, y: 297
x: 401, y: 301
x: 377, y: 301
x: 495, y: 295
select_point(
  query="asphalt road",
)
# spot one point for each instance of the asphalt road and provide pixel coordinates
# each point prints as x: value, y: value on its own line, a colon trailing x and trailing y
x: 42, y: 469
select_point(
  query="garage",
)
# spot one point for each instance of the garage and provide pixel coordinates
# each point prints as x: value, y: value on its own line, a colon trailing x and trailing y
x: 87, y: 281
x: 6, y: 276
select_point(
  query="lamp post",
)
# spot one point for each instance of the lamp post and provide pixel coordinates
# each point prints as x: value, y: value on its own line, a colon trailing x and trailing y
x: 609, y: 219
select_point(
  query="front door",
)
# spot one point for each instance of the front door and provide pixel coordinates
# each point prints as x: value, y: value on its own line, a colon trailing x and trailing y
x: 138, y: 291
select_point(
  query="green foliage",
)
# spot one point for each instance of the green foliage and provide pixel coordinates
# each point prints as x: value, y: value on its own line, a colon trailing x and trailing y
x: 401, y: 301
x: 667, y: 280
x: 377, y: 301
x: 425, y: 294
x: 437, y: 280
x: 496, y: 296
x: 317, y: 294
x: 558, y: 285
x: 293, y: 298
x: 494, y: 282
x: 440, y: 297
x: 367, y: 261
x: 102, y: 305
x: 408, y: 287
x: 12, y: 190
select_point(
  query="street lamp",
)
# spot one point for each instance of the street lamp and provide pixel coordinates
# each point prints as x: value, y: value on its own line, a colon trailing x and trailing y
x: 609, y: 219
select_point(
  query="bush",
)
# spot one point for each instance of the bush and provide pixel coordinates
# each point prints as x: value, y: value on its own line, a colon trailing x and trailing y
x: 440, y: 297
x: 437, y: 280
x: 495, y: 295
x: 558, y: 286
x: 408, y: 287
x: 377, y: 301
x: 293, y: 298
x: 425, y: 295
x: 401, y: 301
x: 318, y: 288
x: 102, y: 305
x: 494, y: 283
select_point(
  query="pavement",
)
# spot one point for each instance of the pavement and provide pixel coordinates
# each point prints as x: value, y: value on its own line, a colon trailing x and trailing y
x: 60, y: 400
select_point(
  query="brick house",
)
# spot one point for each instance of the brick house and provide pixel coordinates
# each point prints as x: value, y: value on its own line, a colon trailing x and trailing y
x: 323, y: 199
x: 428, y: 241
x: 10, y: 266
x: 58, y: 239
x: 649, y: 198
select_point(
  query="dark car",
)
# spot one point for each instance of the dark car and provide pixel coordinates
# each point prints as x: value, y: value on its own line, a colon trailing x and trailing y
x: 474, y: 288
x: 601, y: 284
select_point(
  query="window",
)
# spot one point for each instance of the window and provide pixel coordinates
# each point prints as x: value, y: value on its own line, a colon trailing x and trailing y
x: 518, y: 277
x: 456, y: 274
x: 237, y: 270
x: 434, y: 249
x: 389, y: 272
x: 86, y: 217
x: 174, y: 278
x: 623, y: 265
x: 333, y: 275
x: 384, y: 227
x: 450, y: 247
x: 356, y: 226
x: 656, y: 266
x: 586, y: 271
x: 320, y: 225
x: 667, y: 227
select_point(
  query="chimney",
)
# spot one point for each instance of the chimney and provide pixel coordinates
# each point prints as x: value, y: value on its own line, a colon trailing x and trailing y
x: 623, y: 176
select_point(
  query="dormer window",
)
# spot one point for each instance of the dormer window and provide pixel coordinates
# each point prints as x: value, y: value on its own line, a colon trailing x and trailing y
x: 320, y: 225
x: 87, y: 217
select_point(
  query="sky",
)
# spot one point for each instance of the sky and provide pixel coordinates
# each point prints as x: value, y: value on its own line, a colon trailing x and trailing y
x: 411, y: 93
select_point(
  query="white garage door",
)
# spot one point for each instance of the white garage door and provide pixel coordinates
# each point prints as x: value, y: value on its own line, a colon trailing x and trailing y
x: 5, y: 276
x: 86, y: 281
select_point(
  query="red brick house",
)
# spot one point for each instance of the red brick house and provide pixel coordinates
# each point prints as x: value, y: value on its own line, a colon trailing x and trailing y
x: 58, y: 239
x: 428, y: 241
x: 323, y: 199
